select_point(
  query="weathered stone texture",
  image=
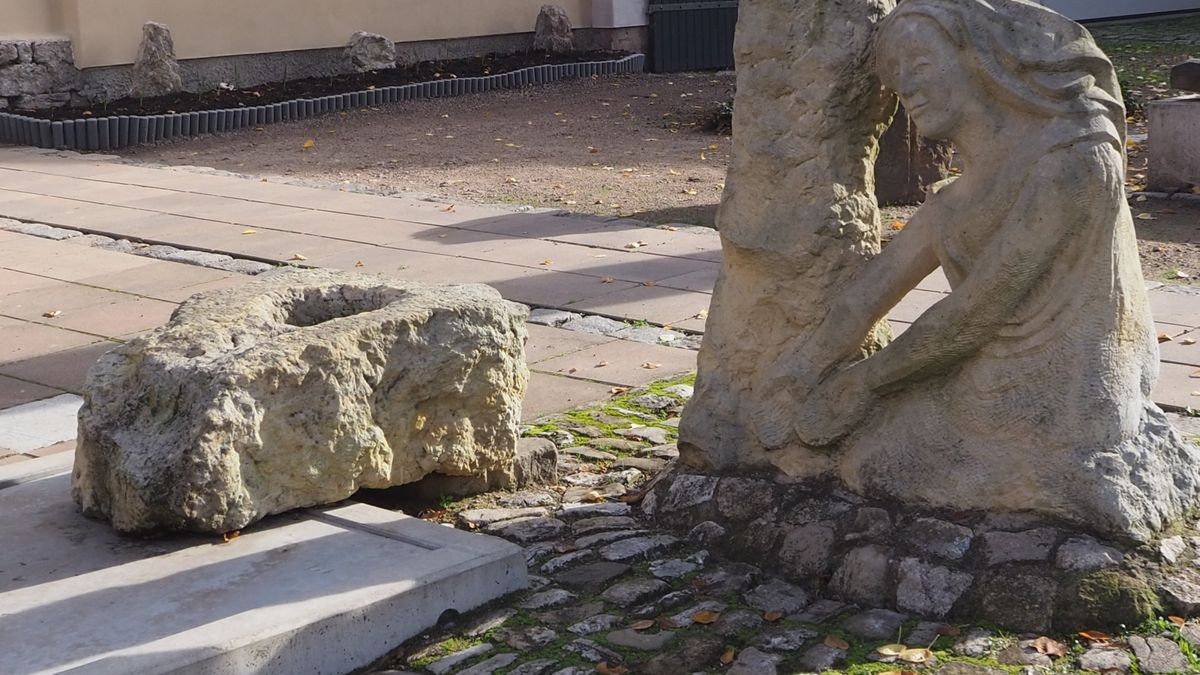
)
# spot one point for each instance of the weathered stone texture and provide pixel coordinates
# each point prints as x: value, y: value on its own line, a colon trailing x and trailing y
x: 552, y: 32
x: 156, y: 72
x: 371, y: 51
x: 298, y: 390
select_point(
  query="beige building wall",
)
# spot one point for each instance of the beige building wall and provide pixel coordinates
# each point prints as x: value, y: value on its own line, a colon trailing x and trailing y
x: 107, y: 32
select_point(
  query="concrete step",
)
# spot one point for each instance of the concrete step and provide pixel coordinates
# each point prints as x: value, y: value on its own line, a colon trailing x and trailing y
x: 315, y: 591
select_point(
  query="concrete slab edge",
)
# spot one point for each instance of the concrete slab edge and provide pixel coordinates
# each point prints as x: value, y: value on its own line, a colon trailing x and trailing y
x: 30, y: 470
x: 121, y: 131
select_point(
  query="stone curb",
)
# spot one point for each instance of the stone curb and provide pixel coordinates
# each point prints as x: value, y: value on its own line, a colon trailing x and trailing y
x: 120, y: 131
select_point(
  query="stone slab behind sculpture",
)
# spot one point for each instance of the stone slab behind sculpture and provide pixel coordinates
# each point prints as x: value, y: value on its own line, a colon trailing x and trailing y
x: 297, y: 391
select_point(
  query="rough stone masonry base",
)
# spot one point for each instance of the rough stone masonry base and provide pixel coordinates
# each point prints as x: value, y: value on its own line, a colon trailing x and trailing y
x: 1019, y: 571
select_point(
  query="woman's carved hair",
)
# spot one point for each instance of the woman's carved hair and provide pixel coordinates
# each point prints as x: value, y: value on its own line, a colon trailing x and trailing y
x: 1031, y: 57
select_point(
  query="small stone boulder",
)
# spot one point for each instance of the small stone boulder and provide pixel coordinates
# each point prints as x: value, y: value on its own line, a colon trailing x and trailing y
x: 371, y: 51
x: 298, y: 390
x: 156, y: 72
x: 553, y: 31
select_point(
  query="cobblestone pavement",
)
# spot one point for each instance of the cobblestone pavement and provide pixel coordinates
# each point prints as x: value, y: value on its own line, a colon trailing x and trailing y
x: 612, y: 594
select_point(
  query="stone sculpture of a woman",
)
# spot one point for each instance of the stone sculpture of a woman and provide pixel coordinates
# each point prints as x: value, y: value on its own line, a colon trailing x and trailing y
x: 1027, y: 387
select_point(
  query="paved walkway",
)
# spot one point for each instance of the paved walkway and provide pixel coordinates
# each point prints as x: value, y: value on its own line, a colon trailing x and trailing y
x: 62, y: 304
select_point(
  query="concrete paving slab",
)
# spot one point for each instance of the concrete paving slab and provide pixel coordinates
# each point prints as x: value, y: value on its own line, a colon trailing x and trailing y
x: 14, y: 392
x: 65, y: 370
x: 39, y: 424
x: 1173, y: 306
x: 1184, y: 349
x: 914, y: 304
x: 316, y: 591
x: 651, y: 303
x: 546, y: 342
x: 1178, y: 386
x: 549, y: 394
x: 23, y: 341
x: 625, y: 363
x: 12, y: 281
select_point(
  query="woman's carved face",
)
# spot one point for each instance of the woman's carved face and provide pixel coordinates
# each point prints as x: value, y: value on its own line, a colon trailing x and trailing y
x: 926, y: 71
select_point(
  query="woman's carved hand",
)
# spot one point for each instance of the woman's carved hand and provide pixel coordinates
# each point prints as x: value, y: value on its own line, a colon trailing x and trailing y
x: 833, y: 408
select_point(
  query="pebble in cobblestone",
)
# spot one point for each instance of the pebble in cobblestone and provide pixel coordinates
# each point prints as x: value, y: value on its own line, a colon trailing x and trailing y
x: 939, y: 538
x: 653, y: 435
x: 640, y: 640
x: 821, y: 657
x: 688, y: 491
x: 1171, y: 549
x: 586, y: 430
x: 523, y: 638
x: 527, y: 530
x: 488, y: 621
x: 787, y: 640
x: 654, y: 402
x: 617, y: 444
x: 597, y: 509
x: 672, y: 568
x: 807, y: 550
x: 589, y: 453
x: 596, y: 325
x: 1182, y: 593
x: 1028, y: 546
x: 1105, y: 660
x: 737, y: 621
x: 869, y: 522
x: 925, y: 632
x: 538, y: 551
x: 777, y: 596
x: 536, y: 582
x: 490, y: 665
x: 595, y: 624
x: 600, y: 523
x: 667, y: 602
x: 564, y: 561
x: 484, y: 517
x: 627, y: 549
x: 745, y: 498
x: 705, y: 533
x: 589, y: 650
x: 670, y: 451
x: 590, y: 575
x: 1158, y: 655
x: 687, y: 617
x: 584, y: 494
x: 683, y: 391
x: 552, y: 598
x: 863, y: 576
x: 1085, y: 554
x: 649, y: 465
x: 565, y: 616
x: 929, y: 590
x: 626, y: 593
x: 696, y: 653
x: 449, y: 663
x: 732, y: 578
x: 874, y: 624
x: 977, y: 643
x: 820, y: 611
x: 527, y: 498
x: 607, y: 537
x: 751, y: 661
x: 538, y: 667
x: 552, y: 317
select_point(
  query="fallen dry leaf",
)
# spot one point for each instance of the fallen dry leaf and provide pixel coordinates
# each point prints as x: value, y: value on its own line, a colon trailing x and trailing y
x: 607, y: 280
x: 704, y: 617
x: 1188, y: 341
x: 644, y: 624
x: 892, y: 650
x: 897, y: 225
x: 921, y: 655
x: 299, y: 256
x: 359, y: 264
x: 547, y: 262
x: 310, y: 144
x: 249, y: 231
x: 651, y: 366
x: 601, y: 364
x: 1163, y: 337
x: 1146, y: 216
x: 52, y: 313
x: 448, y: 209
x: 772, y: 617
x: 1177, y: 620
x: 618, y: 390
x: 835, y: 642
x: 1052, y: 647
x: 604, y: 669
x: 728, y: 657
x: 230, y: 536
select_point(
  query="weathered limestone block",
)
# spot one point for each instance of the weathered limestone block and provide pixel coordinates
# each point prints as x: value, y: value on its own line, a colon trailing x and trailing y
x: 553, y: 33
x: 371, y: 51
x: 1027, y: 388
x: 156, y: 72
x: 298, y: 390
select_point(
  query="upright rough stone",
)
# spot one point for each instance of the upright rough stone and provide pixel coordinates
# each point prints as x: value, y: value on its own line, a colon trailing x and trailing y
x: 553, y: 33
x: 797, y: 219
x: 371, y: 51
x: 909, y: 164
x: 156, y: 72
x: 298, y: 390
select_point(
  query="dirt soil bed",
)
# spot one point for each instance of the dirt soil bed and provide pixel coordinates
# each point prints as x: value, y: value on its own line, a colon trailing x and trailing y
x: 632, y: 145
x: 232, y: 95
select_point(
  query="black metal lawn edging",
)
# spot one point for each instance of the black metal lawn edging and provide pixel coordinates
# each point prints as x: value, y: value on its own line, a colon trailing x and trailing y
x: 120, y: 131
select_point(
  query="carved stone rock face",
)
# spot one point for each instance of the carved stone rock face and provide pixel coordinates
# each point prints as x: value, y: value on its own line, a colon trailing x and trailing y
x: 298, y: 390
x: 1025, y: 388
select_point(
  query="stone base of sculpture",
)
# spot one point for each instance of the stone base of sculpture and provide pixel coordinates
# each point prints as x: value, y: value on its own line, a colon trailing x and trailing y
x: 298, y: 390
x: 1021, y: 571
